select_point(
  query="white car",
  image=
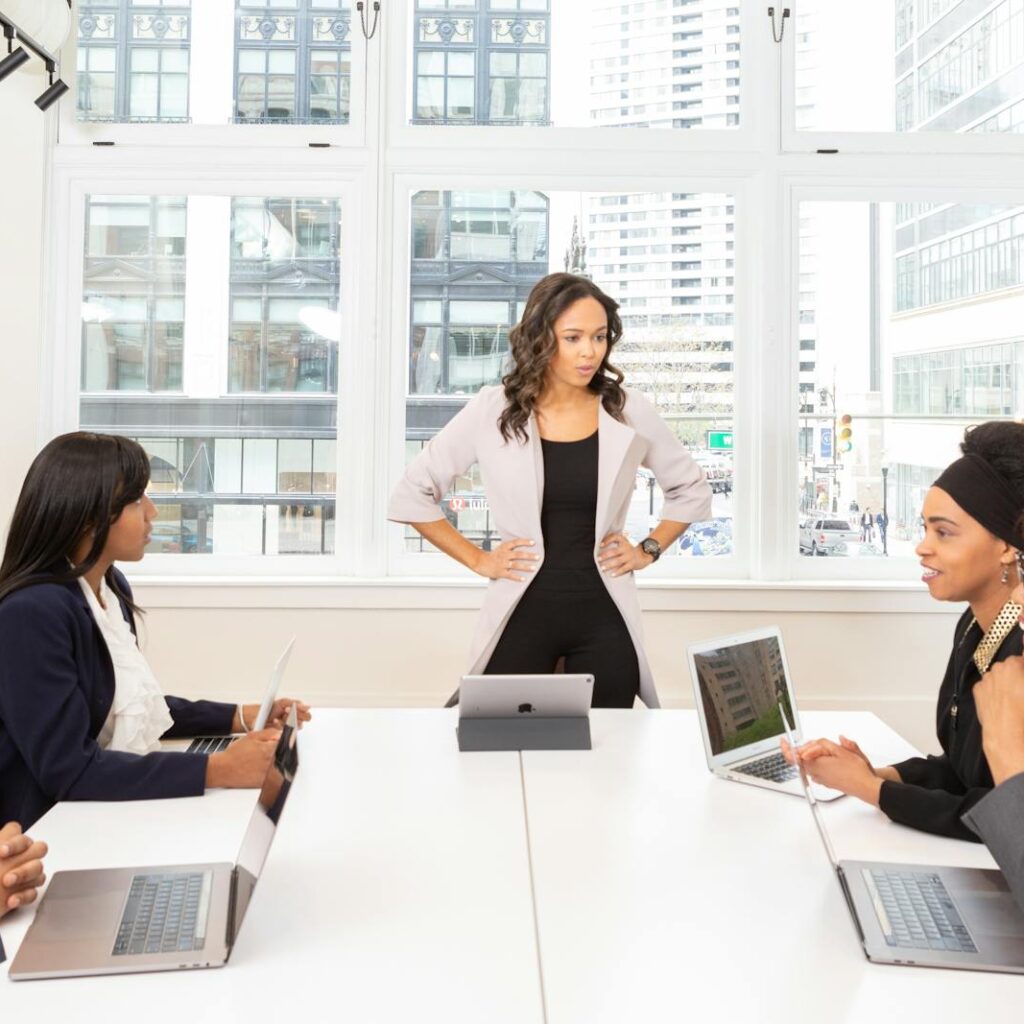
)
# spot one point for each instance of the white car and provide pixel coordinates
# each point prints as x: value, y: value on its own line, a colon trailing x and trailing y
x: 827, y: 535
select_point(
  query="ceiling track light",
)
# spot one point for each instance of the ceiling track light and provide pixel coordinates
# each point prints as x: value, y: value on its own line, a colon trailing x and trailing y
x: 40, y: 27
x: 52, y: 94
x: 12, y: 61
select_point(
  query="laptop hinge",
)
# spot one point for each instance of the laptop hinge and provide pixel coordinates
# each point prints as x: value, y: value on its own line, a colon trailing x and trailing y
x: 841, y: 875
x: 229, y: 938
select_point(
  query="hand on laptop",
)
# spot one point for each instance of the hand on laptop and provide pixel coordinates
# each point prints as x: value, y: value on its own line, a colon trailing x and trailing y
x: 244, y: 764
x: 21, y: 868
x: 842, y: 766
x: 278, y: 714
x: 999, y: 699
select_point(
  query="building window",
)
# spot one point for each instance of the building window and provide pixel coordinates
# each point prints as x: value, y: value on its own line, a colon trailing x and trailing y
x: 284, y: 295
x: 477, y: 65
x: 133, y: 60
x: 292, y: 61
x: 133, y: 295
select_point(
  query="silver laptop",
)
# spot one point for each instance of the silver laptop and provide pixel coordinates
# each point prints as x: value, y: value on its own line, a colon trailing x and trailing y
x: 559, y: 695
x: 128, y: 920
x: 214, y: 744
x: 738, y: 684
x: 924, y: 915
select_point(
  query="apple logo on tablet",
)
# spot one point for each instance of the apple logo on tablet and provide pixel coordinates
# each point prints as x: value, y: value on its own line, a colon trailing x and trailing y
x: 525, y: 709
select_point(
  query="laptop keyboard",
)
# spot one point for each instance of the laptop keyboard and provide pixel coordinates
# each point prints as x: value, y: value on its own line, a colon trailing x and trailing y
x: 774, y: 768
x: 209, y: 744
x: 165, y: 914
x: 916, y: 912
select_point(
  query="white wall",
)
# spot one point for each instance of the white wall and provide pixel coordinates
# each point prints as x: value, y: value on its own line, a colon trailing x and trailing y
x: 21, y: 228
x: 871, y: 649
x: 876, y: 649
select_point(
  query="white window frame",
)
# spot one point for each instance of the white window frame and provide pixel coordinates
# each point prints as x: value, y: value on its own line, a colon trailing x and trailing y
x: 365, y: 59
x: 756, y: 60
x: 401, y: 186
x: 873, y: 186
x: 373, y: 170
x: 72, y: 183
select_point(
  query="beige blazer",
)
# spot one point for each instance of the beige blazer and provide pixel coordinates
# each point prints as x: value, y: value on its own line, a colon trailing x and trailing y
x: 513, y: 477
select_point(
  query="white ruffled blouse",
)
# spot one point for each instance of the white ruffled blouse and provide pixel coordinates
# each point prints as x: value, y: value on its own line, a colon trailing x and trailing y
x: 139, y: 715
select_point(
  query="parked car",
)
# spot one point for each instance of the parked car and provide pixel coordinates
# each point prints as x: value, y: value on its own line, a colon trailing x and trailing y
x: 827, y: 535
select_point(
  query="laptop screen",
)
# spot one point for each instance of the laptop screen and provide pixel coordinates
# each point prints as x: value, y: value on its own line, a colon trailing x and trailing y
x: 263, y: 824
x: 741, y: 686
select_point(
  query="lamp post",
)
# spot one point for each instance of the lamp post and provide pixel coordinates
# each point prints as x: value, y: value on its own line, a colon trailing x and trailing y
x: 824, y: 395
x: 885, y: 508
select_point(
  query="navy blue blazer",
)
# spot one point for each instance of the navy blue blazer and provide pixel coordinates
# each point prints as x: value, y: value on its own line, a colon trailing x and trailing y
x: 56, y: 690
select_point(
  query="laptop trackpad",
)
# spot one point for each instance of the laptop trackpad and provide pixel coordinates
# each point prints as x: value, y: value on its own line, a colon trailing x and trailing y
x: 995, y: 914
x: 81, y: 905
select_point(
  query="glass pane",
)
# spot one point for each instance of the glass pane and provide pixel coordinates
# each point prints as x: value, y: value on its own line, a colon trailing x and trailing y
x: 602, y: 63
x: 668, y: 261
x: 919, y: 65
x: 235, y: 470
x: 121, y: 54
x: 305, y: 40
x: 907, y: 337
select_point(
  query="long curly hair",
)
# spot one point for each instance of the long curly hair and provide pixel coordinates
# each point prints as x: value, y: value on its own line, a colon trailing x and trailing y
x: 534, y: 345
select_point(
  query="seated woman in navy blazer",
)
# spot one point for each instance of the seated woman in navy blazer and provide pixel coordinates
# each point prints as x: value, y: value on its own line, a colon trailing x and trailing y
x: 81, y: 714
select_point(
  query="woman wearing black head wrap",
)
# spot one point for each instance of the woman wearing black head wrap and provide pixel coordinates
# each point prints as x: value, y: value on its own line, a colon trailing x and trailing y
x: 972, y: 535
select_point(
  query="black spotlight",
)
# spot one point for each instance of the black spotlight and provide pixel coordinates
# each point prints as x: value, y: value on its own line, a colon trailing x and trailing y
x: 52, y: 94
x: 12, y: 62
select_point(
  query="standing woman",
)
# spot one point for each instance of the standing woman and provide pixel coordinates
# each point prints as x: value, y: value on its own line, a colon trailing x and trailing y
x: 969, y: 551
x: 81, y: 714
x: 558, y: 445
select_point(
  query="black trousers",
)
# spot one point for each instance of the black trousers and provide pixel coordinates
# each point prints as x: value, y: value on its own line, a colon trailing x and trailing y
x: 568, y: 613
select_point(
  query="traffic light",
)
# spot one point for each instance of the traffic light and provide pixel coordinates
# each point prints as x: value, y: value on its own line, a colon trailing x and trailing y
x: 846, y: 433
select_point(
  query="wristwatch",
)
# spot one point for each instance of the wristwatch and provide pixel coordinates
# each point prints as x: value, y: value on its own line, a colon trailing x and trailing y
x: 650, y: 546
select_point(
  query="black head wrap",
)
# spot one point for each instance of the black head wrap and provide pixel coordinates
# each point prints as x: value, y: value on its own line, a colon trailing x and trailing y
x: 985, y: 496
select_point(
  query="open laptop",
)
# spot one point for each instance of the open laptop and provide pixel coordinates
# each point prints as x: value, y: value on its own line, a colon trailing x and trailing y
x: 739, y: 683
x: 924, y: 915
x: 560, y: 695
x: 214, y: 744
x: 128, y: 920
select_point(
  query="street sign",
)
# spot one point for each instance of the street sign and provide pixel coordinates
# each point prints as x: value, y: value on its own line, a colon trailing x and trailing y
x: 826, y: 442
x: 720, y: 440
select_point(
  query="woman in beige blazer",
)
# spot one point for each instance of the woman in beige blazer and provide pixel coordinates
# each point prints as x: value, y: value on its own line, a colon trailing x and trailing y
x: 558, y: 445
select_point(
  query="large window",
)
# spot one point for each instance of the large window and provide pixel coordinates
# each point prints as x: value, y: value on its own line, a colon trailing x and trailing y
x: 909, y: 353
x: 909, y: 66
x: 315, y: 231
x: 477, y: 254
x: 572, y: 63
x: 210, y: 329
x: 168, y: 61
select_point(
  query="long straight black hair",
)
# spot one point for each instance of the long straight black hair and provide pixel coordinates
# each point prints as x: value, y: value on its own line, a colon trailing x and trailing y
x: 77, y: 485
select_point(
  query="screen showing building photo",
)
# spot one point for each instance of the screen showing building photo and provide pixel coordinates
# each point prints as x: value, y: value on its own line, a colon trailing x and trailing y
x: 741, y: 687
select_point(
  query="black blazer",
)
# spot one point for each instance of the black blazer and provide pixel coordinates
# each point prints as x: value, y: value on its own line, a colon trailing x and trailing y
x: 937, y: 790
x: 56, y: 690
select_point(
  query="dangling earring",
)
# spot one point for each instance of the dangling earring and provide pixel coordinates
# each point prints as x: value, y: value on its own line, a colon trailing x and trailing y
x: 1006, y: 574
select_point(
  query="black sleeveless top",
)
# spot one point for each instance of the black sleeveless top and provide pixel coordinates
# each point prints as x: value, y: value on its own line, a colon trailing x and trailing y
x: 569, y: 511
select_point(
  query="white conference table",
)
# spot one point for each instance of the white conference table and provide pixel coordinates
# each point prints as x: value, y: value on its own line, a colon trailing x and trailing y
x: 411, y: 882
x: 665, y: 894
x: 397, y: 888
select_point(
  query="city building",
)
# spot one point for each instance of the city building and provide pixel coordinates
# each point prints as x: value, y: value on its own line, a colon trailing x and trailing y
x: 210, y: 334
x: 954, y: 344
